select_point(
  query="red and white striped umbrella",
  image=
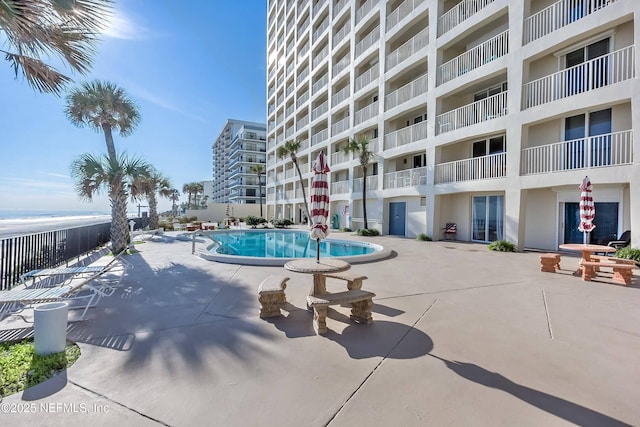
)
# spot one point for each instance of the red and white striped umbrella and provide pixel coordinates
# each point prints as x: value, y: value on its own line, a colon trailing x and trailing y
x: 587, y: 208
x: 319, y: 200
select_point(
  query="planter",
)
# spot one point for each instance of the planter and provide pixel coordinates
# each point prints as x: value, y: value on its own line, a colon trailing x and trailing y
x: 50, y: 327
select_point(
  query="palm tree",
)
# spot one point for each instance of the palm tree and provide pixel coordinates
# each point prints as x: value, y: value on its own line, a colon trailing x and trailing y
x: 290, y: 148
x: 198, y: 188
x: 175, y: 196
x: 258, y: 170
x: 60, y: 28
x: 93, y: 174
x: 103, y: 106
x: 360, y: 147
x: 147, y: 186
x: 188, y: 189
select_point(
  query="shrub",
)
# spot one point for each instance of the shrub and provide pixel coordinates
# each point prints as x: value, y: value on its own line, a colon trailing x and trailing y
x: 345, y: 229
x: 422, y: 237
x: 167, y: 226
x: 502, y: 246
x: 629, y: 253
x: 254, y: 221
x: 281, y: 223
x: 367, y: 232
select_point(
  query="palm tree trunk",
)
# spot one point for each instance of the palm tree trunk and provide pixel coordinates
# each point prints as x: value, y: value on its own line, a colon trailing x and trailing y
x: 119, y: 226
x: 304, y: 193
x: 153, y: 211
x: 260, y: 195
x: 364, y: 197
x: 111, y: 148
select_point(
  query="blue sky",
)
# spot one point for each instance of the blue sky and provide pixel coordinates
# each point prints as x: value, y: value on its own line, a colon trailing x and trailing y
x: 187, y: 68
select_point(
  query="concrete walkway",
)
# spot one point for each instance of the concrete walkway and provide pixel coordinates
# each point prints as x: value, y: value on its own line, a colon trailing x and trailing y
x: 461, y: 336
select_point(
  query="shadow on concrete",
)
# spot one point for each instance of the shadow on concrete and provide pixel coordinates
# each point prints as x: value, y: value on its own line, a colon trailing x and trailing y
x: 569, y: 411
x: 297, y: 324
x: 46, y: 388
x: 382, y: 339
x: 16, y: 334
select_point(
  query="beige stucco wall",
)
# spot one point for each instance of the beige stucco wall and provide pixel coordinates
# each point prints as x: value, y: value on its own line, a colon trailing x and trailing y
x: 541, y: 218
x: 216, y: 211
x: 416, y: 220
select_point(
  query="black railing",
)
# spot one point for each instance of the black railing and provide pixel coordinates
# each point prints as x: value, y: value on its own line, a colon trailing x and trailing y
x: 21, y: 254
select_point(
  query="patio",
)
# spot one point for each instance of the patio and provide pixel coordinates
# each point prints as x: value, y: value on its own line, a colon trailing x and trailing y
x: 460, y: 336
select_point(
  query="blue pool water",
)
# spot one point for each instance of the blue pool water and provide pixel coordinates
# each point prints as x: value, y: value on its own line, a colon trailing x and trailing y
x: 283, y: 244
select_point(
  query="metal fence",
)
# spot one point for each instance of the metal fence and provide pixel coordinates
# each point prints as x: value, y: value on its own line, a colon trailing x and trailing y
x: 48, y: 249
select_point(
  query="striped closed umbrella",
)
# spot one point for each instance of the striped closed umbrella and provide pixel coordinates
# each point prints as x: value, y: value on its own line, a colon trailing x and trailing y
x: 587, y: 208
x: 319, y: 201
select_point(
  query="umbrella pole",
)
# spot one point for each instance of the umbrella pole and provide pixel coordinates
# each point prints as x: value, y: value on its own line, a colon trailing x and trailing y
x: 318, y: 251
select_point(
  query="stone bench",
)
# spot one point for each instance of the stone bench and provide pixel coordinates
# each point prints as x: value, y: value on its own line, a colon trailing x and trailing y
x: 354, y: 281
x: 361, y: 303
x: 550, y: 263
x: 622, y: 273
x: 271, y: 295
x: 612, y: 259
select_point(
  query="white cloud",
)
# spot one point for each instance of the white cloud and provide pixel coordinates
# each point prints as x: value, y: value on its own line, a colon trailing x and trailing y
x: 121, y: 27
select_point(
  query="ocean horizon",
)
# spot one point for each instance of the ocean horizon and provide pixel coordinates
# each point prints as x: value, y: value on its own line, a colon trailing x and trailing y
x: 47, y: 213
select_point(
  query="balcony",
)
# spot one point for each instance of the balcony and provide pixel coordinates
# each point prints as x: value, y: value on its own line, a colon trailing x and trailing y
x: 340, y: 96
x: 409, y: 48
x: 341, y: 34
x: 302, y: 99
x: 374, y: 145
x: 365, y: 9
x: 484, y: 167
x: 406, y: 135
x: 459, y: 13
x: 320, y: 56
x: 320, y: 30
x: 339, y: 6
x: 368, y: 41
x: 320, y: 83
x: 476, y: 57
x: 401, y: 12
x: 339, y: 157
x: 477, y: 112
x: 340, y: 126
x: 339, y: 187
x: 613, y: 149
x: 320, y: 110
x: 319, y: 137
x: 342, y: 64
x: 372, y: 183
x: 405, y: 178
x: 302, y: 75
x: 367, y: 77
x: 304, y: 144
x: 558, y: 15
x: 366, y: 113
x: 602, y: 71
x: 406, y: 92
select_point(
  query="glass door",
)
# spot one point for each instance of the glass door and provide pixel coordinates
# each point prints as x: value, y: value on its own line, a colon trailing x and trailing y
x: 487, y: 218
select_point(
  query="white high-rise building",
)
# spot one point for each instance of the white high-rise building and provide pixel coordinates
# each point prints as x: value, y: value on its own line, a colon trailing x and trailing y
x: 238, y: 149
x: 483, y: 113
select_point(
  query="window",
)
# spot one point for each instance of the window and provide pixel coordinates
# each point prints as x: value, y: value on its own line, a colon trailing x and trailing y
x: 584, y: 71
x: 588, y: 139
x: 420, y: 160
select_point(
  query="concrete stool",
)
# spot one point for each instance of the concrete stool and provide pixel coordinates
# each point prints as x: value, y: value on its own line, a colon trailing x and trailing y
x: 549, y: 263
x: 271, y: 296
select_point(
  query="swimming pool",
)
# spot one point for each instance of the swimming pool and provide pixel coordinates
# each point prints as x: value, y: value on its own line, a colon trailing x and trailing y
x: 276, y: 247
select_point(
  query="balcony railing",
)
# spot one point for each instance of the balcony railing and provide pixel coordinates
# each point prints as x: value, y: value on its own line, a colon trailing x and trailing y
x: 317, y: 7
x: 598, y: 72
x: 320, y: 56
x: 303, y: 27
x: 340, y: 126
x: 302, y: 75
x: 401, y: 12
x: 477, y: 112
x: 320, y: 110
x: 368, y: 41
x: 303, y: 51
x: 484, y: 167
x: 476, y: 57
x: 320, y: 30
x: 342, y: 33
x: 364, y: 9
x: 339, y: 157
x: 367, y: 77
x: 302, y: 99
x: 374, y: 145
x: 340, y: 96
x: 406, y: 135
x: 460, y: 12
x: 339, y: 6
x: 319, y: 137
x: 405, y: 178
x: 366, y: 113
x: 320, y: 83
x: 372, y: 183
x: 407, y: 49
x: 341, y: 64
x: 558, y: 15
x: 610, y: 149
x: 406, y: 92
x: 340, y: 187
x: 304, y: 144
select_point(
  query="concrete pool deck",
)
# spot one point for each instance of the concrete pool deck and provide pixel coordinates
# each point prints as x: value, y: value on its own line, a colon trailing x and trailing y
x: 461, y: 336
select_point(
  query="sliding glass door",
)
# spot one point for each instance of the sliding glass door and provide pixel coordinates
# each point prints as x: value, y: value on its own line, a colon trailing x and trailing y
x: 487, y: 218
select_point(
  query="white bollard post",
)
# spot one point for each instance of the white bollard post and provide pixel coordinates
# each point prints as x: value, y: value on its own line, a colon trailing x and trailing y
x: 50, y: 327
